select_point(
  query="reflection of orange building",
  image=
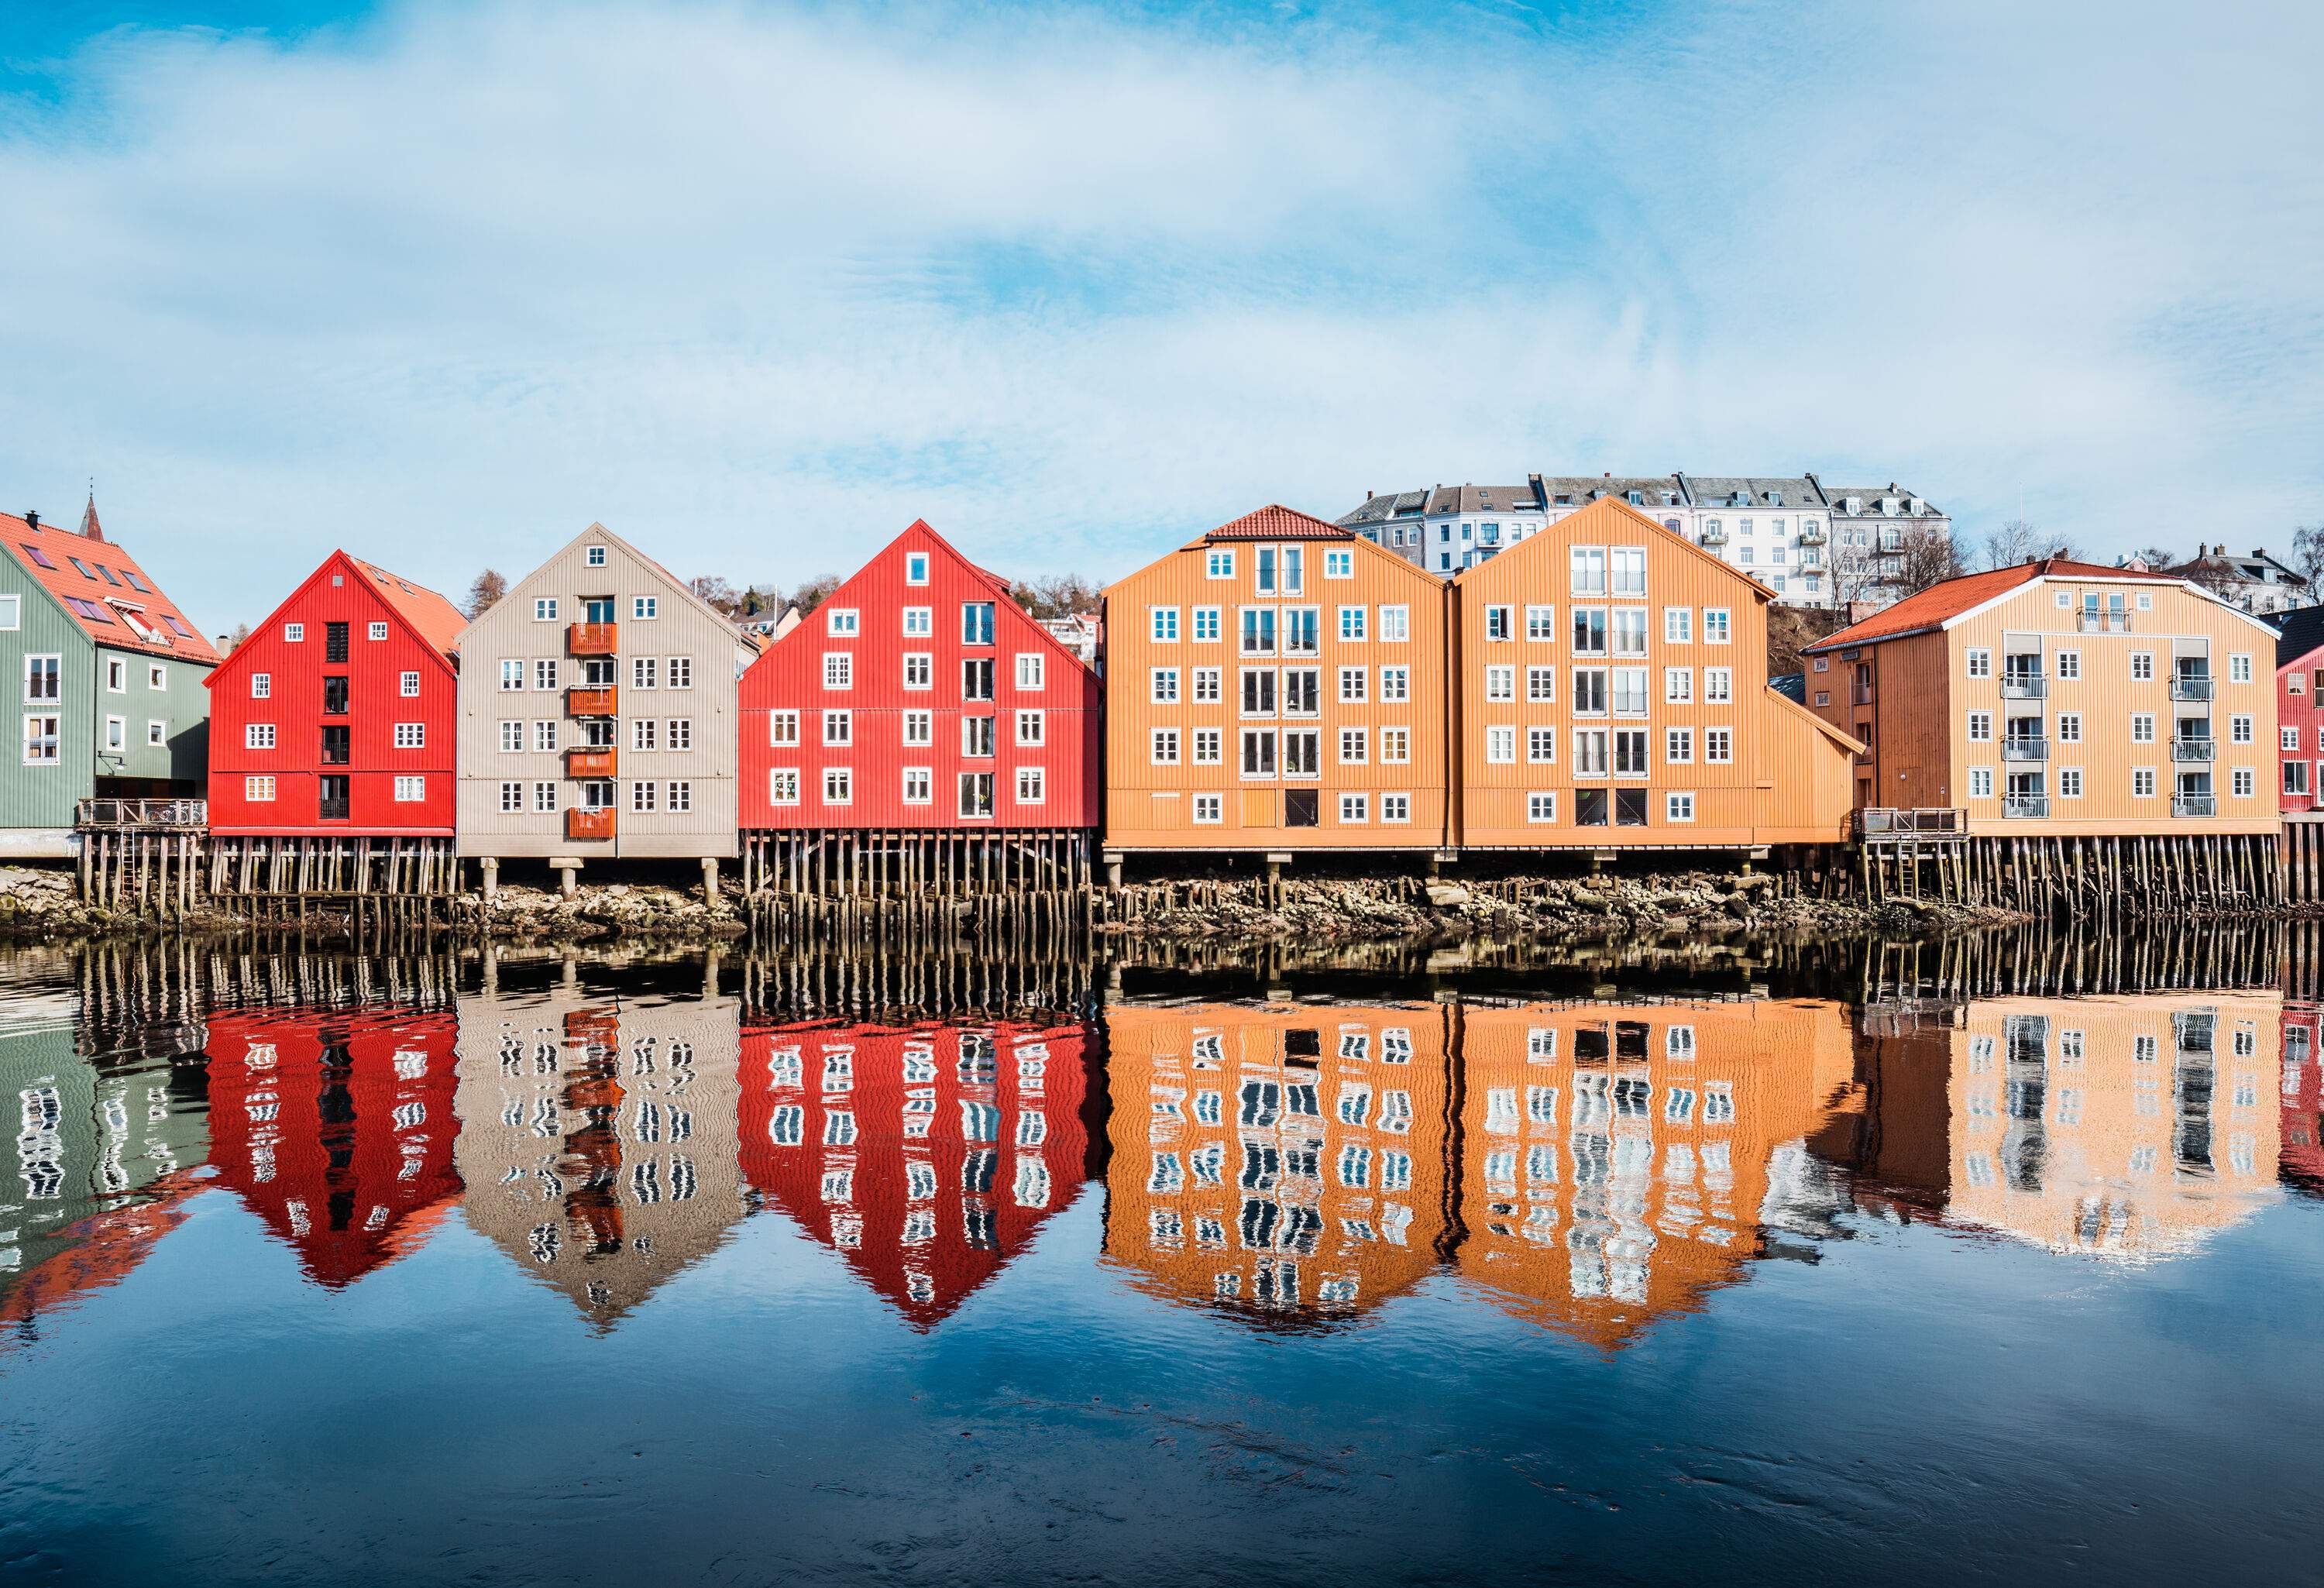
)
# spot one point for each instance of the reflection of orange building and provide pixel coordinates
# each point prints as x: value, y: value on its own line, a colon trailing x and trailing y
x: 926, y: 1156
x: 2126, y: 1127
x: 1288, y: 1160
x: 2302, y: 1091
x: 337, y: 1128
x: 1615, y: 1158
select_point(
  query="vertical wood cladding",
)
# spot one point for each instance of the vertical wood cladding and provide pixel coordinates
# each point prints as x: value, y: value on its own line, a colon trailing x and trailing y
x: 1613, y: 692
x: 918, y: 696
x: 1277, y: 683
x: 279, y: 726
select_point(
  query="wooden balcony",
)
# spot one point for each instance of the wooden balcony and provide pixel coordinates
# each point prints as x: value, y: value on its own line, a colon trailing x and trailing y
x: 591, y: 760
x: 590, y: 700
x: 150, y: 816
x: 590, y: 639
x: 589, y: 823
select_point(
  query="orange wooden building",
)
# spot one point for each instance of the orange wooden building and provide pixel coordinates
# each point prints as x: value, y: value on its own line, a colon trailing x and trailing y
x: 1613, y: 693
x: 1277, y: 683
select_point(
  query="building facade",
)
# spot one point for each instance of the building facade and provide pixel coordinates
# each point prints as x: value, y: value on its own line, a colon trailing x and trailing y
x: 597, y: 714
x: 2258, y: 584
x: 918, y: 696
x: 2300, y: 711
x: 339, y: 714
x: 1613, y: 692
x: 1278, y: 684
x: 2060, y: 699
x: 109, y: 676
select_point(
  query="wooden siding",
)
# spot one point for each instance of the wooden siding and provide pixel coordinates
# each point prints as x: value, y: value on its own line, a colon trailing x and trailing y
x: 294, y: 670
x: 2299, y: 717
x: 1522, y: 783
x: 791, y: 678
x: 683, y: 626
x: 1924, y: 698
x: 1151, y: 805
x: 38, y: 796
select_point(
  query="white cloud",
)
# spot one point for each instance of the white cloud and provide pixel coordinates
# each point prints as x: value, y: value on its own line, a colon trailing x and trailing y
x: 758, y: 287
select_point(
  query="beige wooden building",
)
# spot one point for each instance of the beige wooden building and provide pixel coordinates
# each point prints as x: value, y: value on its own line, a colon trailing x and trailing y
x: 2060, y: 699
x: 1613, y: 693
x: 598, y: 715
x: 1277, y: 683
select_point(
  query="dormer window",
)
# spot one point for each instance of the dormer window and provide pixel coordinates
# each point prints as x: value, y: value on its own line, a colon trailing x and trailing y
x: 1739, y: 499
x: 1774, y: 498
x: 1636, y: 498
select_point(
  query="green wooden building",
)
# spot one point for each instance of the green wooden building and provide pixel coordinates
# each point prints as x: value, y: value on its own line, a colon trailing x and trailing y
x: 107, y: 675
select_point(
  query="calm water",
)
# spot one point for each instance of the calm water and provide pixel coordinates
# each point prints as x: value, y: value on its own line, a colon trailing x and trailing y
x: 1810, y: 1265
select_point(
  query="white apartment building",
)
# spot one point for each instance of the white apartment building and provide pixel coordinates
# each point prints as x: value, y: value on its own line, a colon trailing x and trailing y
x: 1788, y: 531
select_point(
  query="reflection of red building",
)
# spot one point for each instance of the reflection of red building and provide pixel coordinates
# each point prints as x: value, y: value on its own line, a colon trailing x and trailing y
x: 2302, y: 1163
x: 337, y: 1128
x: 107, y: 1247
x: 926, y: 1156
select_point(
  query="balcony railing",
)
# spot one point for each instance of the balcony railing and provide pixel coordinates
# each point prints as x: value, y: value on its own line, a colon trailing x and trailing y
x: 2190, y: 686
x: 590, y: 639
x: 1874, y: 820
x: 1714, y: 537
x: 2025, y: 749
x: 1811, y: 537
x: 2194, y: 805
x: 1860, y: 693
x: 582, y: 822
x: 589, y: 760
x: 2024, y: 687
x: 141, y: 813
x: 331, y: 811
x: 2025, y: 804
x: 2103, y: 623
x: 2194, y: 749
x: 590, y: 700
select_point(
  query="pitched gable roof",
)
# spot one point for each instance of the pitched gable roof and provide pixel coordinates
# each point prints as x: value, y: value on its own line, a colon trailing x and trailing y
x: 1940, y: 603
x: 1590, y: 521
x: 115, y: 601
x: 1275, y: 521
x: 432, y: 617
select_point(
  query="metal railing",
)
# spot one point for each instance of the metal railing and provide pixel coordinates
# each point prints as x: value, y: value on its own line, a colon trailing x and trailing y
x: 2194, y: 805
x: 2025, y: 804
x: 2103, y: 623
x: 2026, y: 749
x: 1813, y: 537
x: 2194, y: 749
x: 141, y: 813
x: 1714, y: 537
x: 2024, y: 685
x: 2190, y: 686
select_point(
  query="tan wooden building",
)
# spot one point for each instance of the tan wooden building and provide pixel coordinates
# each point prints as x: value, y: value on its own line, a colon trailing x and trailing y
x: 1613, y: 693
x: 598, y: 715
x: 2061, y: 698
x: 1276, y: 684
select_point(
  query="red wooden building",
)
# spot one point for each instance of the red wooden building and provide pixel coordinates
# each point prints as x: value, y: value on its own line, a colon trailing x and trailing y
x: 337, y: 716
x: 916, y: 709
x: 336, y: 1127
x: 926, y: 1156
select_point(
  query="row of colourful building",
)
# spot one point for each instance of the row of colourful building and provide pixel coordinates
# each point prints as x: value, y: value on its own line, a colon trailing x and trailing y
x: 1274, y: 686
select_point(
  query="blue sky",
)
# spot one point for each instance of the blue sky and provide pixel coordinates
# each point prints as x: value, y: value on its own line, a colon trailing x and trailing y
x: 757, y: 285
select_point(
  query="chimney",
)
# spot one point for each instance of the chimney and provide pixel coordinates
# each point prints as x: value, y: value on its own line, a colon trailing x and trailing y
x: 225, y: 644
x: 33, y: 519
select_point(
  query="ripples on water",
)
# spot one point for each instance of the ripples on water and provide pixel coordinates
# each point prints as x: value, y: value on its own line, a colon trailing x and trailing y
x: 1967, y: 1262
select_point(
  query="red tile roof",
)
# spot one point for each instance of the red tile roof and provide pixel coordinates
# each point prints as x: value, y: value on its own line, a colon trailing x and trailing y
x: 1938, y: 604
x: 437, y: 621
x: 113, y: 609
x: 1277, y: 522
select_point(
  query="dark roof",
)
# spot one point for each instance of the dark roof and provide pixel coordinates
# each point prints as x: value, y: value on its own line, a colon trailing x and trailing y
x: 1792, y: 686
x: 1769, y: 492
x: 1581, y: 490
x: 1837, y: 495
x: 2299, y: 631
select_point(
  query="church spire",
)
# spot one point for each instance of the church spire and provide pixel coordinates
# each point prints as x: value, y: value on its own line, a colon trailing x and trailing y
x: 89, y: 525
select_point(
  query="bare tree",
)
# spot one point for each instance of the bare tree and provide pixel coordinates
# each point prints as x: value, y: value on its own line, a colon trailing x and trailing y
x: 719, y: 593
x: 1858, y: 572
x: 1925, y: 554
x: 238, y: 638
x: 2156, y: 559
x: 806, y: 597
x: 2307, y: 559
x: 489, y: 588
x: 1057, y: 595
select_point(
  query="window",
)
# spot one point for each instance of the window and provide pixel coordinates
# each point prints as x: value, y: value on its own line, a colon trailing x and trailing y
x: 1678, y: 685
x: 838, y: 786
x: 1395, y: 624
x: 1678, y: 808
x: 1541, y: 624
x: 1396, y: 684
x: 261, y: 686
x: 681, y: 672
x: 1678, y: 746
x: 544, y: 735
x: 117, y: 734
x: 116, y: 676
x: 838, y: 670
x: 511, y: 675
x: 1718, y: 627
x: 839, y: 728
x: 512, y: 796
x: 643, y: 734
x: 678, y: 797
x: 258, y: 735
x: 842, y: 622
x: 1208, y: 808
x: 1541, y: 684
x: 2070, y: 664
x: 1206, y: 623
x: 1257, y: 753
x: 157, y: 731
x: 782, y: 727
x: 1678, y: 626
x: 1541, y: 744
x: 1219, y: 563
x: 1587, y: 565
x: 920, y: 786
x: 2295, y: 776
x: 408, y: 686
x: 1031, y: 727
x: 1980, y: 727
x: 259, y: 791
x: 919, y: 729
x: 783, y: 785
x: 511, y: 737
x: 1165, y: 624
x: 1164, y: 689
x: 2242, y: 782
x: 1718, y: 746
x: 920, y: 670
x: 12, y: 613
x: 1355, y: 747
x: 1501, y: 683
x: 1717, y: 686
x: 1396, y: 808
x: 1351, y: 624
x: 915, y: 567
x: 2239, y: 667
x: 544, y: 797
x: 1028, y: 785
x: 976, y: 736
x: 43, y: 678
x: 1395, y: 745
x: 1207, y: 742
x: 1352, y: 682
x: 1499, y: 624
x: 294, y: 633
x: 42, y: 740
x: 1590, y: 631
x: 975, y: 794
x: 544, y: 609
x: 2069, y: 782
x: 1164, y: 749
x: 645, y: 607
x: 645, y: 671
x: 595, y: 557
x: 411, y: 791
x: 1590, y: 691
x: 411, y: 735
x: 919, y: 622
x: 1355, y: 808
x: 1030, y: 664
x: 1980, y: 782
x: 2142, y: 782
x: 2142, y: 727
x: 2069, y: 727
x: 976, y: 623
x: 2141, y: 666
x: 2239, y: 730
x: 1541, y: 807
x: 1502, y: 745
x: 544, y: 674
